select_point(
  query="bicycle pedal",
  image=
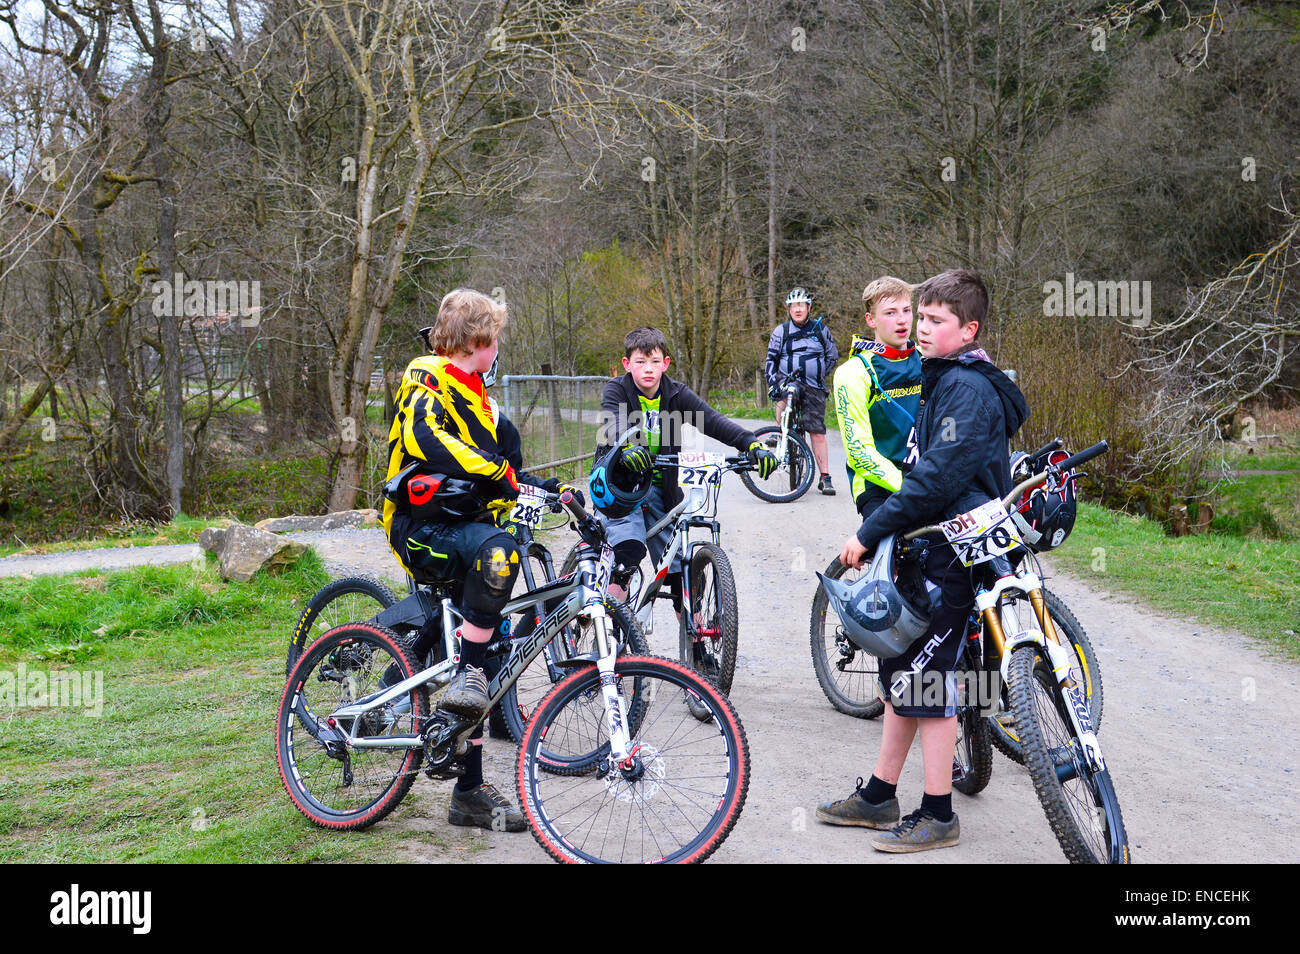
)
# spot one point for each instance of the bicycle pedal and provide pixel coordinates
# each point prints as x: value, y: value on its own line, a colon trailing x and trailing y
x: 448, y: 771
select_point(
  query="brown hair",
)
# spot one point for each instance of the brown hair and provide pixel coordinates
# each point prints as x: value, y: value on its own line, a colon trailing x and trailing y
x: 886, y: 286
x: 467, y: 319
x: 961, y: 290
x: 644, y: 340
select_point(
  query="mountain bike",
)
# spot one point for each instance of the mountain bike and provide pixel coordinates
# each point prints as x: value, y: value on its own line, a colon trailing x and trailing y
x: 1046, y: 697
x: 796, y: 468
x: 709, y: 626
x: 363, y: 598
x: 848, y: 675
x: 614, y: 765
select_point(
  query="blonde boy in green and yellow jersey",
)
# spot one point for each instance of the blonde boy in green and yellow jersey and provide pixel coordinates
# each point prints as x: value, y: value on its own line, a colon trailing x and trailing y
x: 877, y: 394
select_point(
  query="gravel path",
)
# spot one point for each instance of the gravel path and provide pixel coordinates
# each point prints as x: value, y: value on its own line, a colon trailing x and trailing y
x: 1195, y: 727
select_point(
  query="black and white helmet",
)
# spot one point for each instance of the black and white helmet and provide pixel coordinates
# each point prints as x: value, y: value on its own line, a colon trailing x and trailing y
x: 797, y: 296
x: 877, y: 616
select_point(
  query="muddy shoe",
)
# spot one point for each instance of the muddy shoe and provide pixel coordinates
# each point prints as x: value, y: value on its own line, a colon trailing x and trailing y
x: 466, y: 694
x: 919, y: 831
x: 484, y: 807
x: 856, y: 810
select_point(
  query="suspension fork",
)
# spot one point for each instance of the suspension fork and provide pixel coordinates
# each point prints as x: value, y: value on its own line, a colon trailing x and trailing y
x: 620, y: 742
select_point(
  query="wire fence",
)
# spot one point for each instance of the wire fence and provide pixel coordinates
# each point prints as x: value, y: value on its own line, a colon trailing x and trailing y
x: 558, y: 417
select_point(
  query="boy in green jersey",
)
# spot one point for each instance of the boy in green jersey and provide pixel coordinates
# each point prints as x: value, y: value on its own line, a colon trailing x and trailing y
x: 877, y: 394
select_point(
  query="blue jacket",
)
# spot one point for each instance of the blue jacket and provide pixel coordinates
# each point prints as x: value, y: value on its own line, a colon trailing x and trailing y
x: 958, y: 448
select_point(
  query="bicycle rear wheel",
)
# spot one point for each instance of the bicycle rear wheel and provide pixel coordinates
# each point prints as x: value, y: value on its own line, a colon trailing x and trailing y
x: 676, y: 802
x: 848, y: 675
x: 1084, y: 668
x: 334, y: 784
x: 1080, y: 802
x: 351, y: 599
x: 974, y: 751
x: 795, y: 470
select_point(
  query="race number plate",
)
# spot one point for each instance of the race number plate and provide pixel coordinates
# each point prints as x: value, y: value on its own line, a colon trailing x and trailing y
x: 697, y: 468
x: 981, y: 534
x: 605, y: 567
x: 530, y: 506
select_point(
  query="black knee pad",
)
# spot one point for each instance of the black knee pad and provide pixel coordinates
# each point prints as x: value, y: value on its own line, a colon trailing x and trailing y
x: 490, y: 580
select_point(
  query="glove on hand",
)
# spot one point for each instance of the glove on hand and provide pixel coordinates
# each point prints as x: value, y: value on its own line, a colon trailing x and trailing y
x: 637, y: 459
x: 762, y: 458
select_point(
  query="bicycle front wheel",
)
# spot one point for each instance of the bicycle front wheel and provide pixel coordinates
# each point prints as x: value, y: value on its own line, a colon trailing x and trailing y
x: 848, y: 675
x: 351, y: 599
x: 1084, y: 668
x: 795, y: 470
x: 676, y: 799
x: 974, y: 751
x: 1080, y: 803
x: 714, y: 615
x: 337, y: 785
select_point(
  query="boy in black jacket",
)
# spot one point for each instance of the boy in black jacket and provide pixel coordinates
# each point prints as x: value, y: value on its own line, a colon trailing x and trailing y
x: 648, y: 398
x: 958, y: 455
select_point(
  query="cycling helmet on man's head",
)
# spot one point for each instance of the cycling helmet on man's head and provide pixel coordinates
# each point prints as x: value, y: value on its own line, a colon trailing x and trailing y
x: 878, y: 617
x: 1045, y: 514
x: 797, y: 296
x: 615, y: 490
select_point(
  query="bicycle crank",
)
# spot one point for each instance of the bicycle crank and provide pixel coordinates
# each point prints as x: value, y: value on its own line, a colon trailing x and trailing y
x: 441, y: 754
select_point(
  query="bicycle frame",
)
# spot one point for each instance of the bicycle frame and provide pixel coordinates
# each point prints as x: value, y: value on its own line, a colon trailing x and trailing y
x: 583, y: 596
x: 699, y: 508
x: 1003, y: 627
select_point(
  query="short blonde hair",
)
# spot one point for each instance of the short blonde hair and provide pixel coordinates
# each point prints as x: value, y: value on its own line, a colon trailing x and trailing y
x: 467, y: 319
x: 886, y: 287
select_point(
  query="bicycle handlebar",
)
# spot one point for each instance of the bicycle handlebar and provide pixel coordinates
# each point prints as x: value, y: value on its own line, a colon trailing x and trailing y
x: 1096, y: 450
x: 1054, y: 444
x: 738, y: 462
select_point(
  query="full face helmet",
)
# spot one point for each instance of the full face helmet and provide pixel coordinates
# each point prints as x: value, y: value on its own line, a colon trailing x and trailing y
x: 615, y: 490
x: 1045, y: 514
x: 878, y: 617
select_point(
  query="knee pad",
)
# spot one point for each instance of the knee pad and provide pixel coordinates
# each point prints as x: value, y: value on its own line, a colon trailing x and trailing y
x: 497, y: 564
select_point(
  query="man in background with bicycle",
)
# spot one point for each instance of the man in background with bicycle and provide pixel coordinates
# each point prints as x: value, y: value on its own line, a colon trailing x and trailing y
x: 806, y: 351
x: 647, y: 397
x: 958, y: 460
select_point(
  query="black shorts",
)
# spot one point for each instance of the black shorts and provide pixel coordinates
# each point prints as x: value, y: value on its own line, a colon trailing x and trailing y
x: 922, y: 681
x: 813, y: 418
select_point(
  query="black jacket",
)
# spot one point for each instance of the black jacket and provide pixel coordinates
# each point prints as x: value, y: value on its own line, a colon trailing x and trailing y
x: 958, y: 450
x: 620, y: 408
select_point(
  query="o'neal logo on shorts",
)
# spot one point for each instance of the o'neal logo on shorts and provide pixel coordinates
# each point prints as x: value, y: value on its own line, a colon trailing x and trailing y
x: 904, y: 679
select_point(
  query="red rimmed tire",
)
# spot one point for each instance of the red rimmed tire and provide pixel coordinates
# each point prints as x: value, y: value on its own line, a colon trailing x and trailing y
x: 678, y: 800
x: 352, y: 792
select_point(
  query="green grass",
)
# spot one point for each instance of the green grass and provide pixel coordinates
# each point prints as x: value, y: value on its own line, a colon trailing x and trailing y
x: 1266, y: 505
x: 1244, y: 584
x: 180, y: 765
x: 135, y: 533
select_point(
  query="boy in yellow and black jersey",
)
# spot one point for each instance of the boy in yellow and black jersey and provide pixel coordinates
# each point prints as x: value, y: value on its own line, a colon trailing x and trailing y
x: 450, y: 483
